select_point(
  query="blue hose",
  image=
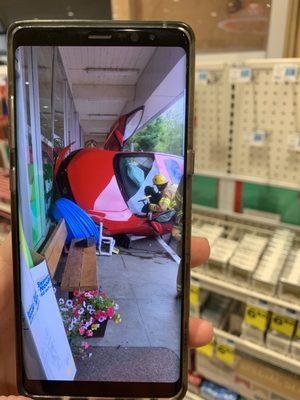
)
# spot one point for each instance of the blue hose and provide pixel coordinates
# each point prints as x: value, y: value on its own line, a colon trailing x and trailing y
x: 79, y: 224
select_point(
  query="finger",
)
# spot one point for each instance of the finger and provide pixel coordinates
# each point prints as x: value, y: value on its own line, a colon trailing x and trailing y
x: 200, y: 332
x: 5, y: 250
x: 200, y: 251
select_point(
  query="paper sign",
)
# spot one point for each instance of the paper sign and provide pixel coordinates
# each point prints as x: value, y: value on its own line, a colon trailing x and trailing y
x: 194, y: 295
x: 283, y: 324
x: 258, y: 138
x: 285, y: 73
x: 294, y: 142
x: 203, y: 76
x: 207, y: 350
x: 194, y: 300
x: 44, y: 321
x: 297, y: 335
x: 240, y: 75
x: 225, y: 352
x: 256, y: 317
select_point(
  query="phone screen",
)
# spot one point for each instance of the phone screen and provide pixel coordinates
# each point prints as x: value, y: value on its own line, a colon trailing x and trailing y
x: 101, y: 137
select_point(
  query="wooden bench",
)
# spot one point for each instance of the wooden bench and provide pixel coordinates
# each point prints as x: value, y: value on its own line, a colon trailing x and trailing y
x: 54, y: 247
x: 80, y: 271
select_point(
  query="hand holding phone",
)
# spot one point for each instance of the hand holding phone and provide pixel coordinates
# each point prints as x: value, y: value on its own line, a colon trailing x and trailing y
x: 100, y: 113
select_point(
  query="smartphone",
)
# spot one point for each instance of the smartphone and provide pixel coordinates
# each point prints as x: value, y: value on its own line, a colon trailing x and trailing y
x: 101, y: 163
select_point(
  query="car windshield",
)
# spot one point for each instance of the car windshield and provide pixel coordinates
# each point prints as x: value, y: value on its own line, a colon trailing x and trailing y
x: 135, y: 172
x: 174, y: 170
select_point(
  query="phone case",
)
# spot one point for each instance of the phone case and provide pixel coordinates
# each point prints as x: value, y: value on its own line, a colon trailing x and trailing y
x: 189, y: 157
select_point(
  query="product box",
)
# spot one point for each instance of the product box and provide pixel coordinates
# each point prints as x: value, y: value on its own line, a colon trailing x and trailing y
x: 251, y: 378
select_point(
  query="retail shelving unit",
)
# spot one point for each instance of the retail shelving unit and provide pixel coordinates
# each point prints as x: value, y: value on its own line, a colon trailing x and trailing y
x: 227, y: 288
x: 247, y: 132
x: 201, y: 276
x: 192, y: 396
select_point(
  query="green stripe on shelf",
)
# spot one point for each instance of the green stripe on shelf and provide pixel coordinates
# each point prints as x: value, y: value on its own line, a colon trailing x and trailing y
x: 285, y: 202
x: 205, y: 191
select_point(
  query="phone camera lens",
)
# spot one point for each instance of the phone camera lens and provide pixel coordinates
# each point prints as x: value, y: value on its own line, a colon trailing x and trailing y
x: 134, y: 37
x: 151, y: 37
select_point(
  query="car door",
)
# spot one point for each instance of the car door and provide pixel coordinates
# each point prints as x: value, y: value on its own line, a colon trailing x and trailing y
x: 123, y: 129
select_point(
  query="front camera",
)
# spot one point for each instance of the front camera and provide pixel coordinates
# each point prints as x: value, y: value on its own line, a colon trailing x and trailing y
x: 134, y: 37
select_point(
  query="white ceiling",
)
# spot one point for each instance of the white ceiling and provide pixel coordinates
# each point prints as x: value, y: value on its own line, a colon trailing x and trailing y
x: 103, y: 81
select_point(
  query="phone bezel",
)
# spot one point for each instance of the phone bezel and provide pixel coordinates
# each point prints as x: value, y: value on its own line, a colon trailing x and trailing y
x: 59, y: 33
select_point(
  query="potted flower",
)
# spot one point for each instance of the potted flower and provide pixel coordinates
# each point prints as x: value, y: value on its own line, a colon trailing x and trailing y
x: 86, y: 316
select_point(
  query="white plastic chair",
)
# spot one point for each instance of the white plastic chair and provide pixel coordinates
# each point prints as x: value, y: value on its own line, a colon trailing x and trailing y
x: 105, y: 241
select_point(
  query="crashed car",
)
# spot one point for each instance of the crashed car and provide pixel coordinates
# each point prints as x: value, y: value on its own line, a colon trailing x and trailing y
x: 109, y: 183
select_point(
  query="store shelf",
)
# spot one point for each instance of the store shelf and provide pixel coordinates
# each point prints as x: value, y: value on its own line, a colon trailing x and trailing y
x: 248, y: 179
x: 5, y: 210
x: 260, y: 352
x: 192, y: 396
x: 218, y: 379
x: 237, y: 292
x: 220, y: 216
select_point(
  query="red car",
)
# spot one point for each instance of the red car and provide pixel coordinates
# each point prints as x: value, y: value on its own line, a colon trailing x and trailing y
x: 109, y: 184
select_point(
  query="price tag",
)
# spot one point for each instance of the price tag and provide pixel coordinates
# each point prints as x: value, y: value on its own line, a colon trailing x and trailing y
x: 298, y: 331
x: 194, y: 295
x: 194, y: 300
x: 225, y: 352
x: 207, y: 350
x: 294, y: 142
x: 240, y: 75
x: 285, y: 73
x: 258, y: 138
x: 203, y: 76
x: 283, y: 324
x: 256, y: 317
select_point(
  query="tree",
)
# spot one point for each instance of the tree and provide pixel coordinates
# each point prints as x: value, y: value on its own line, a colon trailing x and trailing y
x: 163, y: 134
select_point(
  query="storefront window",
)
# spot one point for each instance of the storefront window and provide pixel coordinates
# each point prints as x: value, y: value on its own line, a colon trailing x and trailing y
x: 45, y: 59
x: 59, y: 96
x: 69, y: 117
x: 32, y: 150
x: 44, y: 65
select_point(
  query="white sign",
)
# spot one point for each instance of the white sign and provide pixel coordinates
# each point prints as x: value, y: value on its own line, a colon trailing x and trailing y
x: 294, y: 142
x: 285, y: 73
x: 240, y: 75
x: 203, y: 76
x: 44, y: 321
x: 258, y: 138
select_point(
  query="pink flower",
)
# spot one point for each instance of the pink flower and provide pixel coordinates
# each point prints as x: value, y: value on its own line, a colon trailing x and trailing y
x: 81, y: 331
x: 76, y: 293
x: 89, y: 333
x: 85, y: 345
x: 76, y: 313
x: 110, y: 312
x: 103, y: 294
x: 99, y: 314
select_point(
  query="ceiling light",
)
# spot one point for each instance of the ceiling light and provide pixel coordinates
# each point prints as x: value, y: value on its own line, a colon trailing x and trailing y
x: 110, y: 70
x: 103, y: 115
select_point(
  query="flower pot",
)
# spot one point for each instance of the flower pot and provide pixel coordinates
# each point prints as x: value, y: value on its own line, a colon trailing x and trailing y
x: 100, y: 332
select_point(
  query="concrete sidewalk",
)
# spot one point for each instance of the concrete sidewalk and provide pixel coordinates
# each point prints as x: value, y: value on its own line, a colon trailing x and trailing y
x: 142, y: 280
